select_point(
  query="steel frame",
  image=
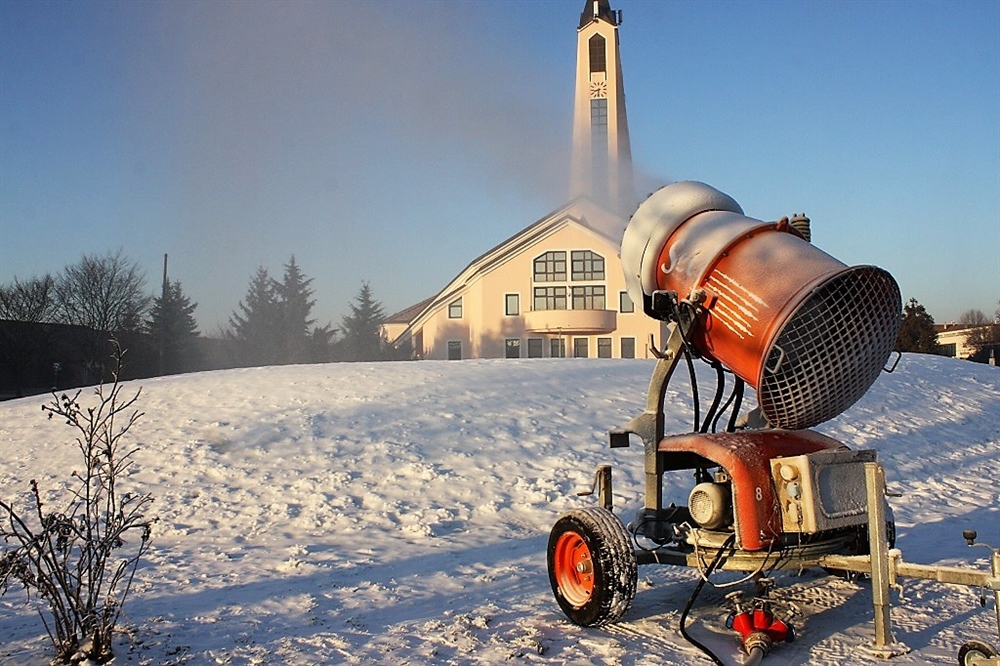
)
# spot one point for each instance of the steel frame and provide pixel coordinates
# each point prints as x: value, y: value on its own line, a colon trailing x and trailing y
x: 883, y: 564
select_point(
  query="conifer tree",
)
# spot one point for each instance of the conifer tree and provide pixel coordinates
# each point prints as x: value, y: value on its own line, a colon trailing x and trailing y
x: 256, y: 328
x: 916, y: 331
x: 173, y: 330
x: 274, y: 326
x: 294, y: 297
x: 362, y: 328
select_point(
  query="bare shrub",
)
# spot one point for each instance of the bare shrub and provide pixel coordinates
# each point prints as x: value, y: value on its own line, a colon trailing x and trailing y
x: 80, y: 559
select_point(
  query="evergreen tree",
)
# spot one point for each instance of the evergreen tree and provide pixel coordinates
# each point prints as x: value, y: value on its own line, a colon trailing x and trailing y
x: 274, y: 326
x: 916, y: 331
x: 321, y: 345
x: 362, y: 328
x: 294, y: 296
x: 173, y: 330
x: 256, y: 329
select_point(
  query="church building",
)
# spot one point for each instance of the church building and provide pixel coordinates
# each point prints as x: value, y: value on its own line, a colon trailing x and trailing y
x: 556, y: 288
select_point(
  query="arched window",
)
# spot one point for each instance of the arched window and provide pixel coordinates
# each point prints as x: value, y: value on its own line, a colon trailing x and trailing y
x: 550, y: 267
x: 587, y: 265
x: 598, y: 59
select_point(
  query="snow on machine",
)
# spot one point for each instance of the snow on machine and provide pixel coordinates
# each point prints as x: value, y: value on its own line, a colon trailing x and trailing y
x: 810, y: 335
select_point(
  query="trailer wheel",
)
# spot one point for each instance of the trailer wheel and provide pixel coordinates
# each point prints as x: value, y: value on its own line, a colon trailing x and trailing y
x: 975, y: 652
x: 592, y: 568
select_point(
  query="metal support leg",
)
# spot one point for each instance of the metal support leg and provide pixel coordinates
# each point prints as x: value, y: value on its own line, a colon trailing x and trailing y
x: 995, y: 569
x: 885, y: 645
x: 649, y: 426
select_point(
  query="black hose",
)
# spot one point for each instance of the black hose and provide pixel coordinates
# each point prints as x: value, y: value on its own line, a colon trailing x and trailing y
x: 689, y: 353
x: 725, y: 406
x: 694, y: 595
x: 694, y: 390
x: 720, y: 387
x: 738, y: 393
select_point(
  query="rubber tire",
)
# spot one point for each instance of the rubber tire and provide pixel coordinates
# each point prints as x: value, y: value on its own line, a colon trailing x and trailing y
x: 597, y: 537
x: 975, y: 649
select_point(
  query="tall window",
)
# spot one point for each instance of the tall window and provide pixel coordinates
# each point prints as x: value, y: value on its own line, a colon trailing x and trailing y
x: 558, y: 348
x: 549, y: 298
x: 512, y: 347
x: 551, y: 267
x: 512, y: 304
x: 455, y: 309
x: 628, y: 347
x: 598, y: 54
x: 599, y: 117
x: 599, y: 148
x: 625, y: 303
x: 588, y: 298
x: 603, y: 347
x: 534, y: 347
x: 587, y: 265
x: 580, y: 347
x: 454, y: 350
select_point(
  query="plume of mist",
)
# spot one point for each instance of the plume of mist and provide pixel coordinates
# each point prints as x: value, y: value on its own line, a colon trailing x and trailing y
x: 340, y: 128
x: 263, y: 89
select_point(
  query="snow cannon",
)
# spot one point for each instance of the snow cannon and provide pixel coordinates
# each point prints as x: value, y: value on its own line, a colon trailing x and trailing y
x: 809, y: 333
x: 760, y: 304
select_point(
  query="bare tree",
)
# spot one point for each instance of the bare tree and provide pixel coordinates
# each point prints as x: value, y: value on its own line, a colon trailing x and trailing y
x: 78, y: 559
x: 23, y: 307
x: 983, y: 334
x: 105, y: 294
x: 31, y: 300
x: 971, y: 318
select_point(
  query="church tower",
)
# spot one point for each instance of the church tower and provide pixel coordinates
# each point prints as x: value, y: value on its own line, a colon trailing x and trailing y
x: 602, y: 157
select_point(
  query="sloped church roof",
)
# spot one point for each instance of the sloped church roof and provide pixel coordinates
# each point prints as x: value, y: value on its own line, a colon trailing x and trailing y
x: 581, y: 211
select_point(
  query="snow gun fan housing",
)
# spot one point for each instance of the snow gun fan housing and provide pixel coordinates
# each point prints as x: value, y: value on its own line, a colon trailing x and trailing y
x: 809, y: 333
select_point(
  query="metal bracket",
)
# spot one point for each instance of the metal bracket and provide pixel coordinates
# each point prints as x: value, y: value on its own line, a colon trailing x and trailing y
x: 892, y: 368
x: 602, y: 485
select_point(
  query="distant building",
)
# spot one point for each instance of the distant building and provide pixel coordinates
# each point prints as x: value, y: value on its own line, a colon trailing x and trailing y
x: 953, y: 340
x: 40, y: 357
x: 556, y: 288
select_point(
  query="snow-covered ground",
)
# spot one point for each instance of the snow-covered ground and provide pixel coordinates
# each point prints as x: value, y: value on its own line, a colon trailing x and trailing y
x: 399, y: 512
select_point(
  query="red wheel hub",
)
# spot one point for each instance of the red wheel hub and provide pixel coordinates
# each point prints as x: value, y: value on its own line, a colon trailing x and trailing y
x: 574, y: 568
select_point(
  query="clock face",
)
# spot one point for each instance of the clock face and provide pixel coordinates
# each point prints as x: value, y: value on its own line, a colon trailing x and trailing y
x: 599, y: 90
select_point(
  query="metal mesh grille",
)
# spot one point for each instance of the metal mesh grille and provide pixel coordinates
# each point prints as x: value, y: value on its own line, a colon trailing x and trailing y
x: 701, y: 507
x: 830, y: 351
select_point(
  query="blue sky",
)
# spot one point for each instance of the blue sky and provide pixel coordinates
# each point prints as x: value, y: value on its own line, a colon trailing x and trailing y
x: 393, y: 142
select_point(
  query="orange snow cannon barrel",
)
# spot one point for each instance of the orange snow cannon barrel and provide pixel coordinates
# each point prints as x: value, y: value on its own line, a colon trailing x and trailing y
x: 808, y: 332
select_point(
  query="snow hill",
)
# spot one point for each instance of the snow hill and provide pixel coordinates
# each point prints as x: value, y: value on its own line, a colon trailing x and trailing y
x: 399, y: 512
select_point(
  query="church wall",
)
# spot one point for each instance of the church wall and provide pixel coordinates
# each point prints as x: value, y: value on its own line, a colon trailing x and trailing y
x: 485, y: 327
